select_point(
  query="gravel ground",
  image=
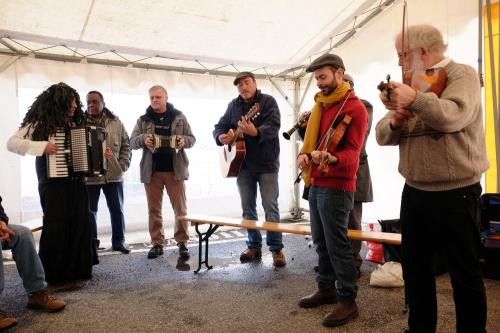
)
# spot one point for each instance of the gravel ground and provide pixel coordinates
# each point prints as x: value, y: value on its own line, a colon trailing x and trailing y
x: 130, y: 293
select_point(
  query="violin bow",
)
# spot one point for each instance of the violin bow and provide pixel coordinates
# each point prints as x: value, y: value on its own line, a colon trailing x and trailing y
x: 404, y: 38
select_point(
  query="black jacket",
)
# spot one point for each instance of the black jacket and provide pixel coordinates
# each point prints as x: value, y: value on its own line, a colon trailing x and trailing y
x: 262, y: 151
x: 3, y: 216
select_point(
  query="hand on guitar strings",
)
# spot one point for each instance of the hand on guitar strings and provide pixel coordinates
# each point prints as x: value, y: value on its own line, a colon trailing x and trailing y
x: 226, y: 138
x: 247, y: 127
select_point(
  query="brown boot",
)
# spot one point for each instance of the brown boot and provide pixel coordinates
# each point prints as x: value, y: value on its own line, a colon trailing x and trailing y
x: 320, y: 297
x: 251, y: 254
x: 42, y: 300
x: 279, y: 258
x: 6, y: 321
x: 341, y: 314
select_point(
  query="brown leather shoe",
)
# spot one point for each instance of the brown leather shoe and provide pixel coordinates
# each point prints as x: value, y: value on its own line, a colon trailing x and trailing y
x: 320, y: 297
x: 251, y: 254
x: 279, y: 258
x: 42, y: 300
x: 6, y: 321
x: 341, y: 314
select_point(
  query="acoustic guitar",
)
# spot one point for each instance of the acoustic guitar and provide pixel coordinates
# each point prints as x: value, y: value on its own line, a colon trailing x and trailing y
x: 233, y: 154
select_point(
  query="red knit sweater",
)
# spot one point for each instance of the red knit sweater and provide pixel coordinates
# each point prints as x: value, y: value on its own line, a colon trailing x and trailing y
x: 342, y: 175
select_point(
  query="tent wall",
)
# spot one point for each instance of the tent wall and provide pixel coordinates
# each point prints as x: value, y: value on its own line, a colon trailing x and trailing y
x: 203, y: 98
x: 10, y: 170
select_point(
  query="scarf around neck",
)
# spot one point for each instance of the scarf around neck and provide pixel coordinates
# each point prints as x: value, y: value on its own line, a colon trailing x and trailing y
x: 321, y: 102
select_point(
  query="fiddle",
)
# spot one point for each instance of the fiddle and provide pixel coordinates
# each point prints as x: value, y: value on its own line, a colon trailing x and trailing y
x: 385, y: 86
x: 332, y: 139
x: 431, y: 80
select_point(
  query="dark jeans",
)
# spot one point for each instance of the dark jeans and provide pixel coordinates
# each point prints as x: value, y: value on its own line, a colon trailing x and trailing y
x: 329, y: 210
x: 446, y: 223
x: 114, y: 198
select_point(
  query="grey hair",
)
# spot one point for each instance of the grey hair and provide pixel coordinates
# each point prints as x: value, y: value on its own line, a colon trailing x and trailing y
x: 424, y: 35
x: 158, y: 87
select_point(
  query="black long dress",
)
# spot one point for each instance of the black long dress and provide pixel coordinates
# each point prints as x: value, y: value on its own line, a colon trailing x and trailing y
x: 66, y: 249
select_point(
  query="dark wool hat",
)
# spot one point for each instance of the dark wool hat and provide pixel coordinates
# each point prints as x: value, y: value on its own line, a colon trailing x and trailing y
x: 241, y: 75
x: 326, y: 60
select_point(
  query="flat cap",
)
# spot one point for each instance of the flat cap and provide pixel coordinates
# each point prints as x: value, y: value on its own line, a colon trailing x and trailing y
x: 241, y: 75
x: 349, y: 79
x: 326, y: 60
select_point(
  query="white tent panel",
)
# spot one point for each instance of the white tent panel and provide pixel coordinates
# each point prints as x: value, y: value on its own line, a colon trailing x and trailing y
x: 274, y: 34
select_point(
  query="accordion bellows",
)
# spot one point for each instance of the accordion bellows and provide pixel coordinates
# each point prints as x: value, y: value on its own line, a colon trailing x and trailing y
x: 80, y: 152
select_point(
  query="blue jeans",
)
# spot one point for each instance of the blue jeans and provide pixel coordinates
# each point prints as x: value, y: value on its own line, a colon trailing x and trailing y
x: 329, y: 211
x: 114, y: 198
x: 269, y: 190
x: 27, y: 261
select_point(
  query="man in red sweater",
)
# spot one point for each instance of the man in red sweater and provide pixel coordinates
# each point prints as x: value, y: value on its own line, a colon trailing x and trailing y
x: 329, y: 161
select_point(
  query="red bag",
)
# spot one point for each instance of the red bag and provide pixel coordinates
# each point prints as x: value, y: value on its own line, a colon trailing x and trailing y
x: 375, y: 251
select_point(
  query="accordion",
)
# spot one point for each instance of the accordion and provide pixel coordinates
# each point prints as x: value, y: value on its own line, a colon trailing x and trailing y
x: 80, y: 152
x: 162, y: 143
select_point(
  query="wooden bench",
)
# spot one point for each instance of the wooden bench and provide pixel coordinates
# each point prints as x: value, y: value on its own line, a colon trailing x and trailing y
x: 215, y: 222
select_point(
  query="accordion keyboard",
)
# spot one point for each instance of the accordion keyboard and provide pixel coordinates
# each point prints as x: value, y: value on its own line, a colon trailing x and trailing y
x: 57, y: 163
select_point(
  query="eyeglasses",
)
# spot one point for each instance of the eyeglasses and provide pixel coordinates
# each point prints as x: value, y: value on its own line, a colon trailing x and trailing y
x: 406, y: 53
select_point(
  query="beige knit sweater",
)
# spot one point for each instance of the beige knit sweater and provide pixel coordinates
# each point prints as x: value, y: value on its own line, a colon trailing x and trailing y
x: 443, y: 147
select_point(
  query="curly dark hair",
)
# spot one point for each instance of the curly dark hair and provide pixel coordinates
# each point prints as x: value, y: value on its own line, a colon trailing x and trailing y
x: 50, y: 110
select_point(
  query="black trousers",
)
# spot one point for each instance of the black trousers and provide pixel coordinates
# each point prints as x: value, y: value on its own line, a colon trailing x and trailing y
x: 444, y: 222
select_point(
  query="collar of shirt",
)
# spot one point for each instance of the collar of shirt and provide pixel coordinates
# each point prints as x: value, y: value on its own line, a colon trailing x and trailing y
x: 442, y: 63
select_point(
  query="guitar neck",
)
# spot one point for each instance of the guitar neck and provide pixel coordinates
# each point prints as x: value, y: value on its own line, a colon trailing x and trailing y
x: 251, y: 114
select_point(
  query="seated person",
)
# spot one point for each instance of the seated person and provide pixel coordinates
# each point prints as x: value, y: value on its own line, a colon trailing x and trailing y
x: 20, y: 240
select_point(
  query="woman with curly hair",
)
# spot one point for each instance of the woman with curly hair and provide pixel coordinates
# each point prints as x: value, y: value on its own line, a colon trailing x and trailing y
x: 66, y: 249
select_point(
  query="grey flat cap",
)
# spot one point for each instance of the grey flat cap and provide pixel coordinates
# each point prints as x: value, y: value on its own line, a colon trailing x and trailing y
x: 241, y: 75
x: 326, y: 60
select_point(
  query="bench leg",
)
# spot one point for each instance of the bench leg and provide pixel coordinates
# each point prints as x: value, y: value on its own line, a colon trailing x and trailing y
x: 204, y: 236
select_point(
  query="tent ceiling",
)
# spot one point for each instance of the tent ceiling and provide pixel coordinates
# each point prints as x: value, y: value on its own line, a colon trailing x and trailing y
x: 263, y: 36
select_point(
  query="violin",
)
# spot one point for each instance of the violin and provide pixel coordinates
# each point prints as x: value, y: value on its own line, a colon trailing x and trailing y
x: 385, y: 86
x: 431, y: 80
x: 332, y: 139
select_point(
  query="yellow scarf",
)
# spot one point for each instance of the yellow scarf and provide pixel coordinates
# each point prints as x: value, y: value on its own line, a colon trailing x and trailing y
x: 314, y: 122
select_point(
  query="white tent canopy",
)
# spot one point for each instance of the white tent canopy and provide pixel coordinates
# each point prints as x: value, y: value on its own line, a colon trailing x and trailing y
x: 123, y: 47
x: 224, y: 35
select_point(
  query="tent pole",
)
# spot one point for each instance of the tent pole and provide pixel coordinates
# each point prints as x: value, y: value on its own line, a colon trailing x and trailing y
x: 296, y: 211
x: 8, y: 63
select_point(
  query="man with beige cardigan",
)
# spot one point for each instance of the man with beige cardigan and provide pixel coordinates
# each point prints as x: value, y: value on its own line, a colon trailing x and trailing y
x: 442, y: 157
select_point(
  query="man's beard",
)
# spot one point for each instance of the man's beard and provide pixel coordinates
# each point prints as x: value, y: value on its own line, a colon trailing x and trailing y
x: 417, y: 64
x: 331, y: 88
